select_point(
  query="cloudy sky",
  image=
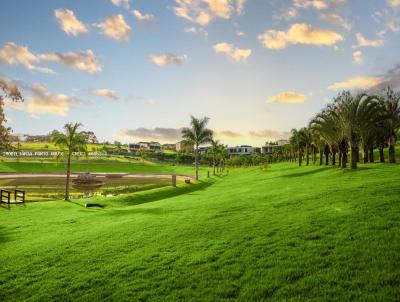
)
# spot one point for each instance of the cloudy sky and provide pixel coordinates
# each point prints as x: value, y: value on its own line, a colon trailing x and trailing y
x: 137, y: 69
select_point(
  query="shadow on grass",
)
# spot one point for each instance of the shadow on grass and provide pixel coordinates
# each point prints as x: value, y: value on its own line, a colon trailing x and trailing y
x: 309, y: 172
x: 154, y: 195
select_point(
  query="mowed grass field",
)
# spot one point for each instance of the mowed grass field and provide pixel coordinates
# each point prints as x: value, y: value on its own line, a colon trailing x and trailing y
x: 280, y: 234
x: 107, y: 165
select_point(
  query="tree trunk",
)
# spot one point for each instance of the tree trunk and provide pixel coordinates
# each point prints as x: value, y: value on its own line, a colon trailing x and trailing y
x: 381, y: 155
x: 340, y: 158
x: 392, y: 152
x: 314, y: 154
x: 196, y: 160
x: 365, y: 154
x: 66, y: 197
x: 354, y: 151
x: 300, y: 158
x: 214, y: 165
x: 321, y: 157
x: 307, y: 155
x: 371, y: 154
x: 333, y: 158
x: 344, y: 159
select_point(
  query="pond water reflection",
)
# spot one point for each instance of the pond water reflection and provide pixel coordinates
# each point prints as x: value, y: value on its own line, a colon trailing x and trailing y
x: 53, y: 188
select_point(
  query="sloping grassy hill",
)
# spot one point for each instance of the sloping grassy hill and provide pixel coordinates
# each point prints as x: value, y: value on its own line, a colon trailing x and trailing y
x: 287, y: 233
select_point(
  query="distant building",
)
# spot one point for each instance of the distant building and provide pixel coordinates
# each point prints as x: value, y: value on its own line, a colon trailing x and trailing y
x: 183, y: 146
x: 268, y: 148
x: 169, y: 147
x: 145, y: 146
x: 204, y: 150
x: 243, y: 150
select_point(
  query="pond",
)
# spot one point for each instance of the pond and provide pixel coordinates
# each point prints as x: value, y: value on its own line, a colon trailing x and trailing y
x: 47, y: 188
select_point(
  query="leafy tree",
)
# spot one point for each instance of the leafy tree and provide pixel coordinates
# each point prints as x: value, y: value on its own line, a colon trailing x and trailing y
x: 70, y: 141
x: 7, y: 91
x: 197, y: 135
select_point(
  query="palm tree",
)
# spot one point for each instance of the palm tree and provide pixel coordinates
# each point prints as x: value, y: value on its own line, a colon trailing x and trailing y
x: 391, y: 105
x: 196, y: 135
x: 355, y: 113
x: 215, y: 152
x: 71, y: 141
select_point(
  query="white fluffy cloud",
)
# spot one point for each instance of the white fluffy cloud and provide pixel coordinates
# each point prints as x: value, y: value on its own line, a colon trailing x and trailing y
x: 360, y: 82
x: 288, y: 97
x: 299, y: 33
x: 337, y: 20
x: 115, y: 28
x: 203, y: 11
x: 83, y: 60
x: 108, y: 93
x: 13, y: 54
x: 197, y: 30
x: 358, y: 57
x: 363, y: 42
x: 237, y: 54
x: 121, y: 3
x: 143, y: 18
x: 168, y: 59
x: 316, y: 4
x: 69, y: 23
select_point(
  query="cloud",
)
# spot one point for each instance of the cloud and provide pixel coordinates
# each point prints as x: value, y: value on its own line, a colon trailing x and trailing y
x: 108, y: 93
x: 13, y: 54
x: 337, y: 20
x: 167, y: 59
x: 83, y: 60
x: 197, y: 30
x: 121, y: 3
x: 240, y: 6
x: 358, y: 57
x: 394, y: 3
x: 144, y: 19
x: 237, y: 54
x: 269, y: 134
x: 288, y: 97
x: 115, y: 28
x: 42, y: 101
x: 228, y: 133
x: 391, y: 78
x: 316, y: 4
x: 203, y: 11
x: 360, y: 82
x: 363, y: 42
x: 172, y: 135
x: 69, y: 23
x: 299, y: 33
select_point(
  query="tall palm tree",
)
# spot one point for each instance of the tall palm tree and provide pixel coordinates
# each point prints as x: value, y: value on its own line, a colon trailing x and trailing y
x: 355, y: 113
x: 391, y: 105
x: 70, y: 141
x: 215, y: 152
x: 197, y: 135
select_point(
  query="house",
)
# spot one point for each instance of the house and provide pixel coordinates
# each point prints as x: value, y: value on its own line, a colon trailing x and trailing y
x: 169, y: 147
x: 268, y: 148
x: 184, y: 147
x: 243, y: 150
x: 204, y: 150
x: 145, y: 146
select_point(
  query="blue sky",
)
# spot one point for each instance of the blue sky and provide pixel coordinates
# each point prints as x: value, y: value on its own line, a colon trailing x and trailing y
x: 134, y: 70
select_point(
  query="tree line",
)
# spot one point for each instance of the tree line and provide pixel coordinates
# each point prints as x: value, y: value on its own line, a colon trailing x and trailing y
x: 349, y: 125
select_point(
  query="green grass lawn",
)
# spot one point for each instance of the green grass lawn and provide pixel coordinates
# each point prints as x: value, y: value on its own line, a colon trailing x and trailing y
x: 106, y: 165
x: 283, y: 234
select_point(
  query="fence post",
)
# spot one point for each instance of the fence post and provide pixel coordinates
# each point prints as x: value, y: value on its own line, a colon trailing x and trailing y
x: 174, y: 180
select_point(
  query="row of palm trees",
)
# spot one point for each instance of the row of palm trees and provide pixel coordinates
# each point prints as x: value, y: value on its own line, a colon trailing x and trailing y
x: 349, y: 124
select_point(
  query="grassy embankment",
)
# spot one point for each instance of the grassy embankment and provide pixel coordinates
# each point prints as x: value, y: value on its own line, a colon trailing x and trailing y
x: 286, y: 233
